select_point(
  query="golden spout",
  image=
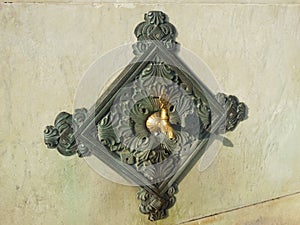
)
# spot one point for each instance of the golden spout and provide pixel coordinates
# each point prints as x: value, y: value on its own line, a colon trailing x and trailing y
x: 159, y: 121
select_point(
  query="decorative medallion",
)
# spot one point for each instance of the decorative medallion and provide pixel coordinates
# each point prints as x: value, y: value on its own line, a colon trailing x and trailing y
x: 154, y: 121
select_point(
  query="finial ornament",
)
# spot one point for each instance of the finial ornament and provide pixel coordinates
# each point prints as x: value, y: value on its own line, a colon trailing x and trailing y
x: 155, y: 28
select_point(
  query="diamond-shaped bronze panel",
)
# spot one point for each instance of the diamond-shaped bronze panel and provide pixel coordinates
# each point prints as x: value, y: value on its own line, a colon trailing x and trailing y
x: 154, y: 121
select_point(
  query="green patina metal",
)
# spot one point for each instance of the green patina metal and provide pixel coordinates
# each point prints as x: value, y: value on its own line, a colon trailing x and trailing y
x: 116, y: 129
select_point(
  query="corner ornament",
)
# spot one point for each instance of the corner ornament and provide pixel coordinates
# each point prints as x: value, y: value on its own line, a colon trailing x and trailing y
x: 154, y: 28
x: 61, y: 135
x: 154, y: 121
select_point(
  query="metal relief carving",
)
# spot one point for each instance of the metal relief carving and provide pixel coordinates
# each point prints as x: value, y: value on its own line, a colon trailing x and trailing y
x: 236, y: 111
x: 153, y: 123
x: 61, y: 135
x: 155, y: 27
x: 156, y: 206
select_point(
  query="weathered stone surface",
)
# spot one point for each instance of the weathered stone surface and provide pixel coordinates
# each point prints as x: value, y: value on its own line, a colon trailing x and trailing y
x: 283, y: 211
x: 254, y: 51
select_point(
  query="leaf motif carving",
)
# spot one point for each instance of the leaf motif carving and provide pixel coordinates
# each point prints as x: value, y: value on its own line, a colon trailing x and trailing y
x: 156, y: 206
x: 236, y: 111
x: 61, y: 135
x: 123, y: 130
x: 154, y: 28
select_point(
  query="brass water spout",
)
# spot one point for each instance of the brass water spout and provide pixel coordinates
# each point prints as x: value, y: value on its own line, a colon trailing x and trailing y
x: 159, y: 121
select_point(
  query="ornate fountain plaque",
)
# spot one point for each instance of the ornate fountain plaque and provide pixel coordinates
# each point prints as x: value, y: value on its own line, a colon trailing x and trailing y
x: 154, y: 121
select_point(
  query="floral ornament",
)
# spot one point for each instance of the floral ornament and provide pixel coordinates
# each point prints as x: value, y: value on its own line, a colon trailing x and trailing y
x: 154, y: 28
x: 124, y: 129
x: 156, y: 205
